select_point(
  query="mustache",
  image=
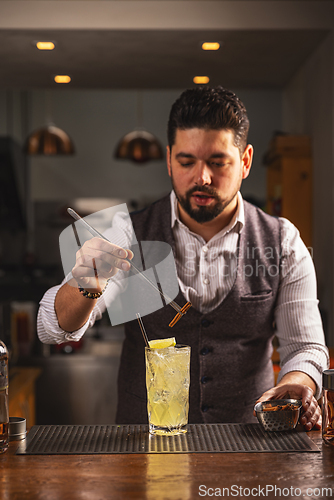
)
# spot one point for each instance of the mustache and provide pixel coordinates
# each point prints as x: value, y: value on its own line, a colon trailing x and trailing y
x: 203, y: 189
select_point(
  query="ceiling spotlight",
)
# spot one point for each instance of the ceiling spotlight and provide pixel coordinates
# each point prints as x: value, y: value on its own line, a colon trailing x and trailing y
x: 201, y: 79
x: 210, y: 45
x: 45, y: 45
x: 62, y: 79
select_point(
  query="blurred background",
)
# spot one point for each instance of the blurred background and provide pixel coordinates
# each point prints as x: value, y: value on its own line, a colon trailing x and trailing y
x: 125, y: 63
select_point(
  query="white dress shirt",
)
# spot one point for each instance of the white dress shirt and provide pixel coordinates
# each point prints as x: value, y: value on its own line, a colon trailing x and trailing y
x: 206, y: 273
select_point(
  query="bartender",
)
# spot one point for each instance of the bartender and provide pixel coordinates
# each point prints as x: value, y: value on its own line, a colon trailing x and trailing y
x: 248, y: 276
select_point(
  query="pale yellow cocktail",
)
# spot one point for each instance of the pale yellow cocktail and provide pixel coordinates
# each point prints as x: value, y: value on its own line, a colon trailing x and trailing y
x: 167, y: 382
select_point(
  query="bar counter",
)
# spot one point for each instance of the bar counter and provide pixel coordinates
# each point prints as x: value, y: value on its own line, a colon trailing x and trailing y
x: 167, y: 476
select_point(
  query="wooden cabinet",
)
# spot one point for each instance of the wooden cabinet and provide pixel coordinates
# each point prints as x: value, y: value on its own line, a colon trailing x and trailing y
x: 289, y: 181
x: 22, y: 393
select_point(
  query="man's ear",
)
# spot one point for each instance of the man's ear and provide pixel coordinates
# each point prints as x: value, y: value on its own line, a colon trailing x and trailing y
x: 168, y: 157
x: 246, y: 160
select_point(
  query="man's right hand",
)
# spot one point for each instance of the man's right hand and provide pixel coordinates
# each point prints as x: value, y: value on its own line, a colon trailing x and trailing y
x: 97, y: 261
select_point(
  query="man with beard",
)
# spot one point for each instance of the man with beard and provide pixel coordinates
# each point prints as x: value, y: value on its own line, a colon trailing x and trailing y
x: 248, y: 276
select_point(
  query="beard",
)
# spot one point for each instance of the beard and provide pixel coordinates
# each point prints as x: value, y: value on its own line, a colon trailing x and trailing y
x: 204, y: 213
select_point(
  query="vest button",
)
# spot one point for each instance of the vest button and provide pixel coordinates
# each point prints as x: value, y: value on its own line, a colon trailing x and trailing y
x: 205, y: 351
x: 205, y: 322
x: 205, y: 379
x: 205, y: 408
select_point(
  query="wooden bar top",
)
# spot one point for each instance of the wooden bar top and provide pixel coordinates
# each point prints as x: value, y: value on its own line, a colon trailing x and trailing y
x: 166, y: 476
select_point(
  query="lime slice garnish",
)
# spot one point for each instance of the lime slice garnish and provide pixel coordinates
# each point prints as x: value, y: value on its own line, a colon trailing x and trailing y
x: 162, y: 343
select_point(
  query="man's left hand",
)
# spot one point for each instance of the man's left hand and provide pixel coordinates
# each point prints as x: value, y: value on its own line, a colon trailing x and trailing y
x: 311, y: 415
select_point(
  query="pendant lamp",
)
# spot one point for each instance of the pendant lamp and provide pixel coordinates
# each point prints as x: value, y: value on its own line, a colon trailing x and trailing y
x: 139, y: 146
x: 49, y: 140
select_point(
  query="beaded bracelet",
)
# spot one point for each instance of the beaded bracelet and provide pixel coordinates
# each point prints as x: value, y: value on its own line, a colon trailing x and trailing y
x: 91, y: 295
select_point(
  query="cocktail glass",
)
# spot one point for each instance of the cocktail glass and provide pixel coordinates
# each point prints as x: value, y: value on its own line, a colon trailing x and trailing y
x: 167, y: 383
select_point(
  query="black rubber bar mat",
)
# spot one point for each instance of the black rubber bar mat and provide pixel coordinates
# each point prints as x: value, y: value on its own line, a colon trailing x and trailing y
x: 200, y: 438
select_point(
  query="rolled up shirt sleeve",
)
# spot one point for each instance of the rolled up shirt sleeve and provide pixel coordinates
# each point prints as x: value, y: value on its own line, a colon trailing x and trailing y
x: 48, y: 329
x: 297, y: 317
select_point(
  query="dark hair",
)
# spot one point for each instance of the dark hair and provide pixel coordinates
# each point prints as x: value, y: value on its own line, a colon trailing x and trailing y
x: 209, y: 108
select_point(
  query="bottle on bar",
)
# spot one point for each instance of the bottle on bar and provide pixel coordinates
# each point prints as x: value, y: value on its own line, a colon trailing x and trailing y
x: 328, y: 406
x: 4, y: 414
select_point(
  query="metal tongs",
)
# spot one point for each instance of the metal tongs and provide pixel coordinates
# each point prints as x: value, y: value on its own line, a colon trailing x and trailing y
x: 181, y: 311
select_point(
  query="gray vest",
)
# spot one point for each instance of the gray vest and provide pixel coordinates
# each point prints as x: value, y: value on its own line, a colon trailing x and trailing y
x: 231, y: 346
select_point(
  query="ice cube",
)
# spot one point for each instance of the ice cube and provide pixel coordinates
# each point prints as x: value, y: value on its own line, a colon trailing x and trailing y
x: 161, y: 397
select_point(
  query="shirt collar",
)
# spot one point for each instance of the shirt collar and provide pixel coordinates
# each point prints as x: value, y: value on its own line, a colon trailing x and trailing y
x: 238, y: 218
